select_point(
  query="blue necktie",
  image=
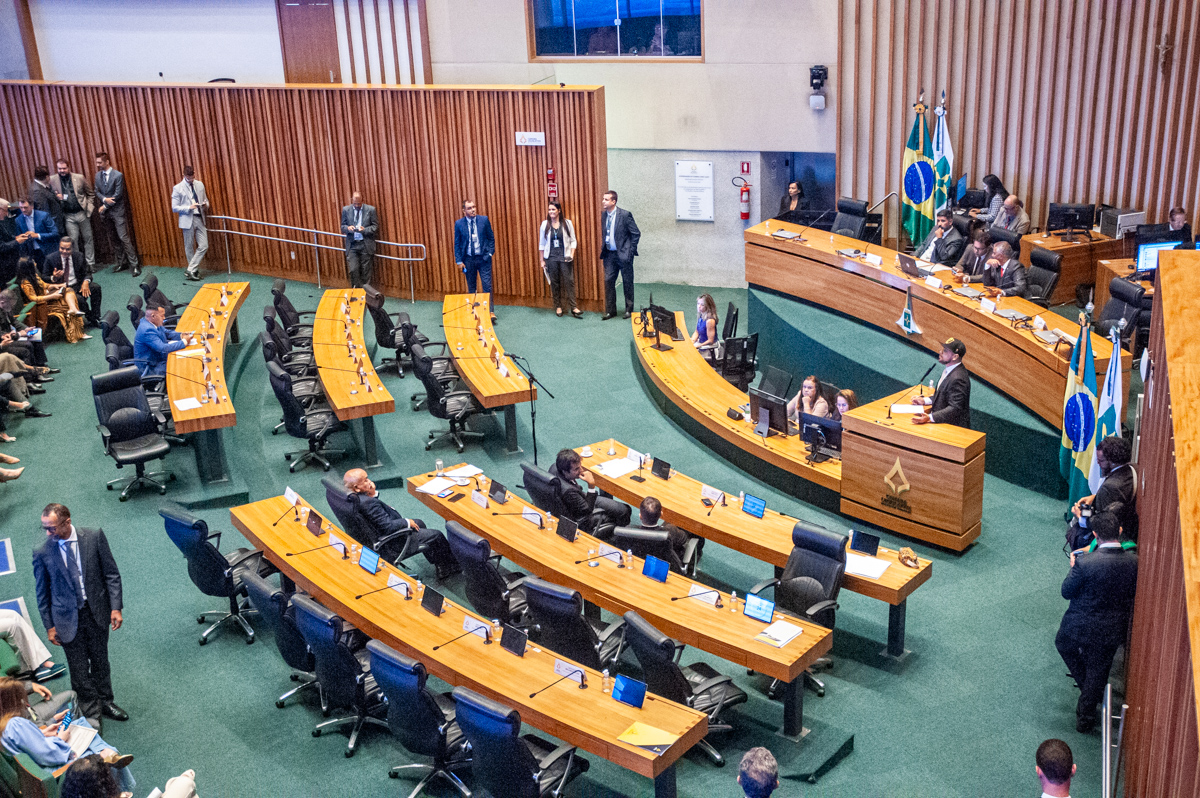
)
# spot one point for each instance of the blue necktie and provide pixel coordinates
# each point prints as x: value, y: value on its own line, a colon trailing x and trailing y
x: 73, y: 569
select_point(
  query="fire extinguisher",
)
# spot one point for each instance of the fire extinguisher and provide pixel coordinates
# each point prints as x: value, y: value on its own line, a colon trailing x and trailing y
x: 744, y: 199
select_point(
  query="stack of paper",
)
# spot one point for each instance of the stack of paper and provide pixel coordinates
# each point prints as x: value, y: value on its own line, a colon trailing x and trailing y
x: 644, y: 735
x: 436, y: 486
x: 465, y: 471
x: 779, y: 634
x: 615, y: 469
x: 870, y: 567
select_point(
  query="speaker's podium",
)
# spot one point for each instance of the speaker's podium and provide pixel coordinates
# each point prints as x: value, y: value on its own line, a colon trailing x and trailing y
x: 921, y: 480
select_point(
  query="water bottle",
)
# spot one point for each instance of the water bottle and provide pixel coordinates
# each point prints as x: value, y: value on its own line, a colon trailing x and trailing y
x: 495, y: 629
x: 741, y: 496
x: 605, y: 682
x: 629, y: 558
x: 420, y: 588
x: 733, y: 601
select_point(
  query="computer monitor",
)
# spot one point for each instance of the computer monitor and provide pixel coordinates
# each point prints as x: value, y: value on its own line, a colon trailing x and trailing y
x: 664, y: 320
x: 1159, y: 234
x: 823, y: 434
x: 1147, y: 256
x: 775, y: 381
x: 1070, y: 217
x: 769, y: 412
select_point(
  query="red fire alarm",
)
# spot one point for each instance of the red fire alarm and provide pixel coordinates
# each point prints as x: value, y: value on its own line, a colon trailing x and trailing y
x: 745, y: 167
x: 552, y: 190
x: 549, y: 175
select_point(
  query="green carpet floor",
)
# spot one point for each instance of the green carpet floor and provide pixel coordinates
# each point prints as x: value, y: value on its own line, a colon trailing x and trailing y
x: 960, y: 716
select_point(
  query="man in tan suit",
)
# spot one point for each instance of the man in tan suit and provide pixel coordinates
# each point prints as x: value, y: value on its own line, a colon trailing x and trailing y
x: 78, y: 201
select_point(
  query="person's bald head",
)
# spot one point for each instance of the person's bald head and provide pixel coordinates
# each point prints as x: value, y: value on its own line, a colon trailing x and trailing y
x: 354, y: 479
x: 356, y: 199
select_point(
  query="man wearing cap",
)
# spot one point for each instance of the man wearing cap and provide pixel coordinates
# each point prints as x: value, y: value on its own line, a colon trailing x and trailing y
x: 951, y: 401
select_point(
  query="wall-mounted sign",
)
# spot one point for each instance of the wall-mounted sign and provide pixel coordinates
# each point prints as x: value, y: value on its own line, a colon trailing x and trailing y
x: 694, y: 190
x: 526, y: 138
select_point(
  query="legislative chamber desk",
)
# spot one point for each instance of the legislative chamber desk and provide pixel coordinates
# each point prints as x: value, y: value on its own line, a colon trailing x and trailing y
x: 212, y: 317
x: 1109, y: 270
x: 492, y: 377
x: 768, y: 539
x: 339, y: 351
x: 589, y: 718
x: 942, y: 500
x: 1079, y: 258
x: 1014, y: 361
x: 691, y: 621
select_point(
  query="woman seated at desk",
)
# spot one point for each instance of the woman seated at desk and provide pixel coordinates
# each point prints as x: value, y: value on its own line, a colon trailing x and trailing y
x: 792, y: 202
x: 705, y: 336
x: 843, y: 403
x: 808, y: 400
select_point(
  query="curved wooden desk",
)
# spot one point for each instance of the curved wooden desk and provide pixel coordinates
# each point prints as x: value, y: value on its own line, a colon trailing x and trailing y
x: 727, y: 634
x: 586, y: 718
x: 1012, y: 360
x: 493, y: 377
x: 768, y: 539
x: 211, y: 316
x: 339, y: 351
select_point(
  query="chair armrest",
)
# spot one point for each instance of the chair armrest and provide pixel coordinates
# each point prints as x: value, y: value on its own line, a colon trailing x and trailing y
x: 105, y: 436
x: 498, y: 558
x: 381, y: 542
x: 247, y: 556
x: 689, y: 554
x: 764, y: 585
x: 215, y: 536
x: 555, y: 755
x: 679, y: 647
x: 819, y: 607
x: 513, y: 586
x: 715, y: 681
x: 160, y: 418
x: 614, y: 627
x: 312, y: 313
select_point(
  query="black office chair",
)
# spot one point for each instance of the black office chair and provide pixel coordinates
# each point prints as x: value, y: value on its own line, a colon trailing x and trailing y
x: 964, y: 225
x: 153, y: 295
x: 998, y: 234
x: 654, y: 543
x: 423, y: 721
x: 558, y: 623
x: 454, y: 407
x: 305, y: 384
x: 312, y: 424
x: 111, y: 333
x: 729, y: 328
x: 406, y: 331
x: 395, y: 547
x: 387, y: 334
x: 439, y: 363
x: 505, y: 763
x: 1045, y: 267
x: 1124, y: 305
x: 545, y: 491
x: 215, y: 574
x: 492, y: 591
x: 301, y: 362
x: 810, y: 583
x: 740, y: 362
x: 851, y: 218
x: 285, y: 342
x: 288, y: 314
x: 697, y: 686
x: 344, y: 674
x: 274, y: 608
x: 131, y: 431
x: 136, y: 312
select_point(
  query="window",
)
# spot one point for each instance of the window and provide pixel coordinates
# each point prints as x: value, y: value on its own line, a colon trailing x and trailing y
x: 615, y: 29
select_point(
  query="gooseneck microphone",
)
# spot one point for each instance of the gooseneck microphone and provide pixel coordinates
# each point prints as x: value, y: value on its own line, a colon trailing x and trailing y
x: 702, y: 593
x: 407, y: 593
x: 541, y: 521
x: 582, y: 681
x: 345, y: 555
x: 486, y: 641
x: 921, y: 382
x: 598, y: 556
x: 292, y: 507
x: 800, y: 237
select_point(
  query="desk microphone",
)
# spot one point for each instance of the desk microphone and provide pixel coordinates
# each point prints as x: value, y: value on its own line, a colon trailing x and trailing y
x: 921, y: 382
x: 345, y: 556
x: 214, y: 318
x: 800, y: 236
x: 541, y: 524
x: 582, y: 681
x: 295, y: 507
x: 719, y: 605
x: 407, y: 594
x: 714, y: 506
x: 457, y: 327
x: 207, y: 385
x: 598, y: 556
x: 487, y: 641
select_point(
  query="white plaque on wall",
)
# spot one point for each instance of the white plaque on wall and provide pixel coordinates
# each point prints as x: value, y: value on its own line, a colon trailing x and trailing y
x: 526, y: 138
x: 694, y: 190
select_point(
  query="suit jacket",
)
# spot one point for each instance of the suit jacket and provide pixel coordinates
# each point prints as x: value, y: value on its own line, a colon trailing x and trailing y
x: 54, y: 261
x: 381, y: 517
x: 56, y: 593
x: 973, y: 265
x: 462, y: 238
x: 83, y: 191
x: 1101, y: 588
x: 1017, y: 223
x: 626, y: 234
x: 43, y: 225
x: 1120, y: 486
x: 181, y: 202
x: 578, y: 504
x: 112, y: 187
x: 10, y: 250
x: 947, y: 249
x: 370, y: 223
x: 952, y: 399
x: 152, y: 344
x: 44, y: 199
x: 1012, y: 282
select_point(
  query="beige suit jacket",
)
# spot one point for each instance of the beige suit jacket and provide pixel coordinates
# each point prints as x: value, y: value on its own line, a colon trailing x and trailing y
x: 83, y: 190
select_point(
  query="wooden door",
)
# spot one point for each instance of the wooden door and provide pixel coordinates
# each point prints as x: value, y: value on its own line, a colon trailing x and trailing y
x: 308, y: 36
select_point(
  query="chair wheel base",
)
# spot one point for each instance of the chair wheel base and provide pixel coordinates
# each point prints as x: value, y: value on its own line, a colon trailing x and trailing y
x: 279, y: 704
x: 316, y: 733
x: 204, y: 641
x: 393, y: 774
x: 349, y: 754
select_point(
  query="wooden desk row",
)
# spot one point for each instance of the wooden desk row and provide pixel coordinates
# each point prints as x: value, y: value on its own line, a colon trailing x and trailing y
x: 1079, y: 257
x: 768, y: 539
x: 479, y: 358
x: 589, y: 719
x: 725, y: 633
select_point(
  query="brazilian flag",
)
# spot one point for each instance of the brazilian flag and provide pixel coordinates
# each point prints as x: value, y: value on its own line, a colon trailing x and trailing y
x: 1079, y: 417
x: 920, y: 179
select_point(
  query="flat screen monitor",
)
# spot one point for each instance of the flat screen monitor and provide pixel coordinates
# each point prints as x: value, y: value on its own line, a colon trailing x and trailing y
x: 368, y: 560
x: 629, y: 691
x: 759, y: 608
x: 664, y: 320
x: 864, y: 542
x: 431, y: 601
x: 497, y: 492
x: 655, y: 568
x: 823, y: 433
x: 775, y: 381
x: 660, y: 468
x: 1147, y: 255
x: 566, y: 529
x: 315, y: 522
x: 1064, y: 216
x: 754, y: 506
x: 513, y: 640
x: 772, y: 408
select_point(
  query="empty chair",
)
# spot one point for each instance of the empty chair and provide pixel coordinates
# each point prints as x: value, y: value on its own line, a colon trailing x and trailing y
x: 215, y: 574
x: 288, y: 315
x: 152, y: 295
x: 387, y: 335
x: 1000, y: 234
x: 560, y: 625
x: 396, y: 547
x: 407, y: 332
x: 423, y: 721
x: 136, y: 311
x: 505, y: 763
x: 307, y: 389
x: 740, y: 363
x: 132, y: 433
x: 312, y: 424
x: 697, y: 686
x: 1124, y: 305
x: 344, y: 674
x: 1045, y: 267
x: 492, y: 591
x: 111, y: 333
x: 656, y: 543
x: 438, y: 363
x: 851, y: 218
x: 301, y: 341
x: 811, y: 581
x: 454, y: 407
x: 274, y: 607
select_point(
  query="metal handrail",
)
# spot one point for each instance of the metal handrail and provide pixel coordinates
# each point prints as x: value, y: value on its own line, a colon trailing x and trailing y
x: 316, y: 246
x: 1108, y: 773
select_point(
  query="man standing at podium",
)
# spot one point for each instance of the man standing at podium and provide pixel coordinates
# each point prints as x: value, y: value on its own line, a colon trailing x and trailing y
x: 951, y: 401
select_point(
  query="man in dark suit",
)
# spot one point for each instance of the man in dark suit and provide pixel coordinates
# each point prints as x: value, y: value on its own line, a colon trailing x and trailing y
x: 78, y: 201
x: 619, y: 237
x: 1118, y: 492
x: 44, y: 199
x: 70, y: 267
x: 1004, y: 274
x: 944, y: 245
x: 650, y: 517
x: 383, y: 520
x: 973, y: 263
x: 114, y: 212
x: 1100, y: 586
x: 79, y: 598
x: 951, y: 400
x: 583, y: 506
x: 474, y: 245
x: 41, y: 234
x: 360, y: 225
x: 11, y: 240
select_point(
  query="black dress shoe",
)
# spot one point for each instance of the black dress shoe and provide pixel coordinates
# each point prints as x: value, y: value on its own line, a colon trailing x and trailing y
x: 122, y: 267
x: 1085, y: 725
x: 35, y: 388
x: 608, y: 316
x: 192, y: 277
x: 627, y: 315
x: 33, y: 412
x: 137, y: 271
x: 111, y: 710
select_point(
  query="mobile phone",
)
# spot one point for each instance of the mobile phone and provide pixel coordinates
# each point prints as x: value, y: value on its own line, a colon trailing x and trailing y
x: 707, y: 502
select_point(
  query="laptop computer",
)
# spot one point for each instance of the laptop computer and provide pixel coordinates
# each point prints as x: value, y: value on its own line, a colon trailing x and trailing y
x: 910, y: 266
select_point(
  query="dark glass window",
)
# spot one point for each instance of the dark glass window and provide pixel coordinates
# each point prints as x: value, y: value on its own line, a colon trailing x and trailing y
x: 616, y: 28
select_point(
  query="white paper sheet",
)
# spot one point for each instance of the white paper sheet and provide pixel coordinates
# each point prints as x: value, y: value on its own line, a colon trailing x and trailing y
x: 870, y: 567
x: 480, y: 498
x: 615, y: 469
x: 436, y: 485
x: 465, y: 471
x: 197, y: 352
x: 907, y: 409
x: 780, y: 633
x: 187, y: 403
